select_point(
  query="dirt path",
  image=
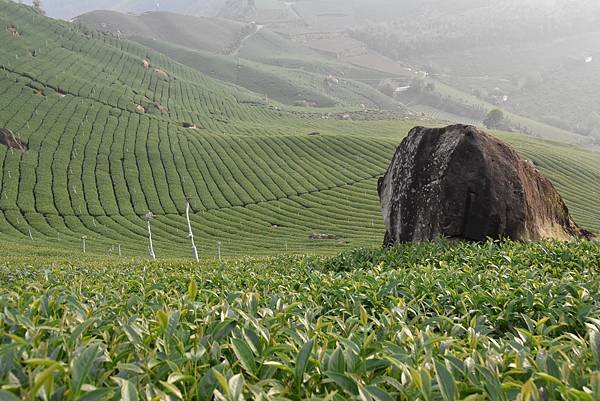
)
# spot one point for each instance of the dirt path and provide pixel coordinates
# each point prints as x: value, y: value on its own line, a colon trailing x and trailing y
x: 292, y: 10
x: 244, y: 39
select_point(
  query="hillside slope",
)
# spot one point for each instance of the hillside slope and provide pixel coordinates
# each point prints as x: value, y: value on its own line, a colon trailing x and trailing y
x: 68, y: 9
x: 248, y: 55
x: 210, y: 34
x: 537, y: 58
x: 114, y: 130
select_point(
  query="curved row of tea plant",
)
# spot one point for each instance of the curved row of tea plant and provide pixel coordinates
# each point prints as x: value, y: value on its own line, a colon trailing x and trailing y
x: 115, y: 130
x: 431, y: 322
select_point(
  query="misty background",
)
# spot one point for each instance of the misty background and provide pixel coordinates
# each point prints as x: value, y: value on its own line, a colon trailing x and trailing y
x: 537, y: 61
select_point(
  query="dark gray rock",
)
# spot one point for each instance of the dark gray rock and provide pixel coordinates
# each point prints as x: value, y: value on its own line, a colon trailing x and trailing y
x: 460, y: 183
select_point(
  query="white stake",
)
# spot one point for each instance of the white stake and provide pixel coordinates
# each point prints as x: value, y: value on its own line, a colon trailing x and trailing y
x: 151, y: 253
x: 119, y: 250
x: 83, y: 238
x: 190, y: 233
x: 219, y: 250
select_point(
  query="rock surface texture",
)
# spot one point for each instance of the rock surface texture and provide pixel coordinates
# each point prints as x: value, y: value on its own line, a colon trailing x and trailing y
x: 8, y: 139
x: 460, y: 183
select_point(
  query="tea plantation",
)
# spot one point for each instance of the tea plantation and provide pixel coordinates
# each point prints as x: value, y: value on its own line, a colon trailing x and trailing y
x: 115, y: 130
x: 427, y: 322
x: 108, y: 131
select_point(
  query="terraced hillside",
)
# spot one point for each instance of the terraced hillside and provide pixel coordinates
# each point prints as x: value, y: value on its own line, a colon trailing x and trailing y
x: 114, y: 130
x: 247, y: 55
x: 67, y: 9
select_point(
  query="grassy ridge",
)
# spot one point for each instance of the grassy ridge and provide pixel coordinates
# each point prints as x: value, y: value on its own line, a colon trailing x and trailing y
x: 251, y: 57
x: 107, y: 143
x: 435, y: 322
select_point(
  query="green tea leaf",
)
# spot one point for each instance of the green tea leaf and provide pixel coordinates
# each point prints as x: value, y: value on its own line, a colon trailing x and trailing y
x: 244, y: 355
x: 446, y: 382
x: 236, y: 386
x: 336, y: 361
x: 45, y: 378
x: 6, y: 396
x: 595, y: 346
x: 128, y: 391
x: 378, y: 394
x: 222, y: 382
x: 548, y: 378
x: 364, y: 316
x: 171, y: 388
x: 98, y: 395
x: 81, y: 367
x: 529, y: 391
x: 133, y: 334
x: 130, y: 367
x: 207, y: 385
x: 492, y: 385
x: 223, y: 329
x: 192, y: 291
x: 302, y: 361
x: 162, y: 318
x: 344, y: 382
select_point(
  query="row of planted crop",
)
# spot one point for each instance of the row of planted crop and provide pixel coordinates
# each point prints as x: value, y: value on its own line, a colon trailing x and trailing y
x: 154, y: 151
x: 253, y: 227
x: 428, y: 321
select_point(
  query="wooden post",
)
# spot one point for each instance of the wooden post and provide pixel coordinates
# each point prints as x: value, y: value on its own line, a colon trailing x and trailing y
x: 190, y: 232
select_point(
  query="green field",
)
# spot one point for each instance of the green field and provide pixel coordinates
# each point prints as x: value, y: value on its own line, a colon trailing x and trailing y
x: 434, y: 322
x: 107, y: 144
x: 115, y: 130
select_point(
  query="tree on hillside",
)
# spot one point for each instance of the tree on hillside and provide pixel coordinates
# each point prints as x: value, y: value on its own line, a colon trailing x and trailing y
x: 387, y: 87
x: 37, y: 6
x: 494, y: 119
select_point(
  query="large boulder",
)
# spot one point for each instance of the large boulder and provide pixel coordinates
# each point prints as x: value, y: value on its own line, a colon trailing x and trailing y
x: 460, y: 183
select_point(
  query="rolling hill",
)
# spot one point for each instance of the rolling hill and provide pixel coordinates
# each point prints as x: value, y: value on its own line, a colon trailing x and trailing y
x: 541, y: 70
x: 114, y: 130
x: 214, y: 35
x: 244, y: 54
x: 68, y: 9
x: 535, y: 58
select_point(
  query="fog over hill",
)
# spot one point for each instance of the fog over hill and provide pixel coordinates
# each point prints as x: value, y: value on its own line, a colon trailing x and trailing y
x: 538, y: 60
x: 68, y: 9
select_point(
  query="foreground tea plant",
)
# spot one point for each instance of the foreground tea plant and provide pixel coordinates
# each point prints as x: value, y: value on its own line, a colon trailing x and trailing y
x: 424, y: 322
